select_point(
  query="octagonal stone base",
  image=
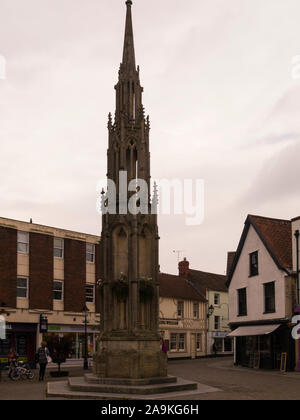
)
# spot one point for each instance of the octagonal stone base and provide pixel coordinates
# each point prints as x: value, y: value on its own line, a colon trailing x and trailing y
x: 132, y: 359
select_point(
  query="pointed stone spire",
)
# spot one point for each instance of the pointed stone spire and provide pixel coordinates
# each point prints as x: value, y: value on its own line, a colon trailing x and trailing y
x: 128, y: 51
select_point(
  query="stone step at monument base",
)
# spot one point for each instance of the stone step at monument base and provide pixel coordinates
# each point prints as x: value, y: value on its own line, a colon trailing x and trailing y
x: 90, y: 378
x: 81, y: 388
x: 81, y: 385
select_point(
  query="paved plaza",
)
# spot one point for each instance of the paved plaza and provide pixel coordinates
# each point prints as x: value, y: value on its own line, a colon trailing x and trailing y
x: 233, y: 382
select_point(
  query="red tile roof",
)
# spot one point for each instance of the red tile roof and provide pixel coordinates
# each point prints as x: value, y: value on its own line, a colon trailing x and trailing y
x: 277, y: 236
x: 230, y: 259
x: 202, y: 281
x: 178, y: 287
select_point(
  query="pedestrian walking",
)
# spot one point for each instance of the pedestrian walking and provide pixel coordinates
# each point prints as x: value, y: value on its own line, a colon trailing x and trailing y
x: 12, y: 360
x: 43, y: 358
x: 214, y: 350
x: 163, y: 346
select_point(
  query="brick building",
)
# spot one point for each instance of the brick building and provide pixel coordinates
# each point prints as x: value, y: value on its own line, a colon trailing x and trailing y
x: 47, y: 272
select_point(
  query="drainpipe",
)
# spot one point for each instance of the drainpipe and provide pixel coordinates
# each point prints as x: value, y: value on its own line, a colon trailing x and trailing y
x: 298, y: 296
x: 297, y: 264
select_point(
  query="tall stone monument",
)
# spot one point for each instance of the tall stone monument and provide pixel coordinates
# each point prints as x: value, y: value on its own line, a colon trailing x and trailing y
x: 129, y: 285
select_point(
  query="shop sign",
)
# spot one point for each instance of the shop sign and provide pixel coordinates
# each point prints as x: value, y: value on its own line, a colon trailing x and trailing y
x: 220, y: 335
x: 69, y: 329
x: 54, y: 328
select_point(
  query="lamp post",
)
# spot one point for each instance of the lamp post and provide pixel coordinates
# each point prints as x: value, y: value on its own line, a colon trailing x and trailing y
x: 297, y: 264
x: 210, y: 311
x: 2, y: 305
x: 86, y: 362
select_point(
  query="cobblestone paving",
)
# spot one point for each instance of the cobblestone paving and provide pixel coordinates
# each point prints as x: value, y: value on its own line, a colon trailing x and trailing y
x: 236, y: 383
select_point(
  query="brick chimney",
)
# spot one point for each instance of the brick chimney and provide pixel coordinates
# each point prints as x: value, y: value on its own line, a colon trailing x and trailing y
x: 184, y: 267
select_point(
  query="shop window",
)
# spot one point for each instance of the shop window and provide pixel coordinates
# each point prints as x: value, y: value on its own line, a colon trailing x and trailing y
x: 199, y: 342
x: 217, y: 299
x: 196, y: 310
x: 90, y: 253
x: 254, y: 264
x: 23, y: 242
x: 219, y: 344
x: 180, y: 309
x: 269, y: 293
x: 242, y: 302
x: 89, y: 288
x: 58, y: 287
x: 228, y: 344
x: 58, y: 248
x: 177, y: 342
x: 173, y: 342
x: 217, y: 323
x: 22, y: 287
x: 181, y: 343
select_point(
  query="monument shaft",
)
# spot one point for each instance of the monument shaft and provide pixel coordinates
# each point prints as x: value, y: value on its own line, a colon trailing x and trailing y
x: 129, y: 286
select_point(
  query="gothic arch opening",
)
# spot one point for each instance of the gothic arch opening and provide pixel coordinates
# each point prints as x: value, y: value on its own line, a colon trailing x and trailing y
x: 120, y: 252
x: 145, y: 253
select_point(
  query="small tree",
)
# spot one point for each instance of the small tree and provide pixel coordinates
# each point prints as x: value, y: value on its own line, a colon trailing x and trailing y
x: 59, y: 349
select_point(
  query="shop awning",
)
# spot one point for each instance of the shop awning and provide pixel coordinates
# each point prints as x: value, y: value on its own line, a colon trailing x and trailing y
x: 253, y: 330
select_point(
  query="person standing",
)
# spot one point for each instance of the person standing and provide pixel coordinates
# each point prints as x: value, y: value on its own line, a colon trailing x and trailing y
x: 214, y: 349
x: 163, y: 346
x: 12, y: 360
x: 42, y: 358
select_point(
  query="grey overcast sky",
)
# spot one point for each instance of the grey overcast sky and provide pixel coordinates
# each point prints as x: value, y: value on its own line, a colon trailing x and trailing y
x: 219, y: 90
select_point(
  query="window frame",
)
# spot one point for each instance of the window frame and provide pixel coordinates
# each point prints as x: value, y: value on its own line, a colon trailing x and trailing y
x: 245, y: 312
x: 218, y: 300
x: 180, y: 303
x: 253, y: 268
x: 19, y: 242
x: 23, y: 288
x: 273, y: 297
x: 196, y: 314
x: 62, y: 249
x: 218, y: 319
x: 178, y: 339
x: 91, y: 253
x: 60, y: 291
x: 86, y: 286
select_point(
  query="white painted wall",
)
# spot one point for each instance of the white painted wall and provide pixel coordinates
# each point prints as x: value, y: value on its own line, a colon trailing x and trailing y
x: 295, y: 226
x: 268, y: 272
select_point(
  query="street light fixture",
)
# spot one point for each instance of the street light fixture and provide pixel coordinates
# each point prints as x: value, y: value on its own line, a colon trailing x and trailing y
x: 210, y: 311
x: 86, y: 362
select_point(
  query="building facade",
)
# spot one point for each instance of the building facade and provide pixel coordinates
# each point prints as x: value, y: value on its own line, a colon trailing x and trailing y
x: 182, y: 319
x: 53, y: 273
x: 47, y: 273
x: 296, y: 270
x: 213, y: 288
x: 262, y: 294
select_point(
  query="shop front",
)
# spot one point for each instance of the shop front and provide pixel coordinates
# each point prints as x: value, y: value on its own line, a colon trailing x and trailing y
x: 22, y: 338
x: 72, y: 339
x: 224, y: 344
x: 264, y: 346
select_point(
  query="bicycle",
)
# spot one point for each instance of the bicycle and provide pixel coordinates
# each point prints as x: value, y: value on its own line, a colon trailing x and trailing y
x: 19, y: 370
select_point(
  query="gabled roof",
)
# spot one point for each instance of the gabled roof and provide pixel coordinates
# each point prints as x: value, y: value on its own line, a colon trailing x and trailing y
x: 230, y: 260
x: 203, y: 281
x: 178, y: 287
x: 276, y: 235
